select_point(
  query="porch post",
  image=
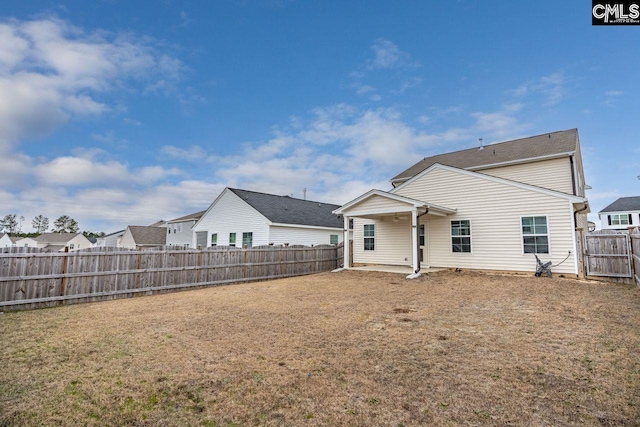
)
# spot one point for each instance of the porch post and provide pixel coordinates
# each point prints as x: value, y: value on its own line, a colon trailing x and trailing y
x: 414, y: 239
x: 345, y: 243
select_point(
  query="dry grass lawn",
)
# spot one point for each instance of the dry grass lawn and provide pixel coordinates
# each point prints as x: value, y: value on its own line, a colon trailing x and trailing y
x: 353, y: 348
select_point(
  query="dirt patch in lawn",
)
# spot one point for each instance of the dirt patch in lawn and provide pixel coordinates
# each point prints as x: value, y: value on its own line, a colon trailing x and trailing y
x: 349, y: 348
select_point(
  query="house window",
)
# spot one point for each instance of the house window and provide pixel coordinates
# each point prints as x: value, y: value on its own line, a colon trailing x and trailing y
x: 214, y: 239
x: 421, y: 234
x: 70, y: 245
x: 333, y: 239
x: 461, y: 236
x: 620, y: 219
x: 232, y: 239
x: 186, y: 245
x: 168, y: 230
x: 180, y: 228
x: 535, y: 235
x: 247, y: 240
x: 369, y: 237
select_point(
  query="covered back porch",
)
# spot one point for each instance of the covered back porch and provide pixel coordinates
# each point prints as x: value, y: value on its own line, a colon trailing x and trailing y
x: 387, y: 229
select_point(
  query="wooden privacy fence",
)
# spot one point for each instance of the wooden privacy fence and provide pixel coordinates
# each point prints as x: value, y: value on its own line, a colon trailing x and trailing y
x: 613, y: 254
x: 33, y: 279
x: 635, y: 253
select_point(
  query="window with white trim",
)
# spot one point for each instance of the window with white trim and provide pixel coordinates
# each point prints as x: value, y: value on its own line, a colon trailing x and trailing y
x: 214, y: 239
x: 232, y: 239
x: 620, y: 219
x: 247, y: 239
x: 369, y: 237
x: 333, y: 239
x: 535, y: 234
x: 461, y: 236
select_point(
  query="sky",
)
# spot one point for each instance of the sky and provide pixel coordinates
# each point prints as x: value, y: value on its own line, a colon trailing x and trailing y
x: 122, y: 113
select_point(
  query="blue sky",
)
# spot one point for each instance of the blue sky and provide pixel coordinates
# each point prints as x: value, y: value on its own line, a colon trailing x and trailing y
x: 125, y: 112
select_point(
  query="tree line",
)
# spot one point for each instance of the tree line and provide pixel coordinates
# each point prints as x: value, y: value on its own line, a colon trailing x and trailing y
x: 12, y: 224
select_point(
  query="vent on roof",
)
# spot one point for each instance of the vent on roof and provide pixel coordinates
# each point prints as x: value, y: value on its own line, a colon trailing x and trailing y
x: 481, y: 146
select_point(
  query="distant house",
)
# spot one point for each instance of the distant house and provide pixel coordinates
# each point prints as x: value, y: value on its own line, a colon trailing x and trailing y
x: 179, y: 232
x: 110, y: 240
x: 248, y: 218
x: 622, y: 214
x: 491, y: 207
x: 58, y: 241
x: 141, y: 237
x: 5, y: 241
x: 24, y: 242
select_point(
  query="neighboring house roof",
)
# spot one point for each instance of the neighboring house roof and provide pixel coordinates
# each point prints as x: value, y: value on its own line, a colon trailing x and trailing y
x: 194, y: 216
x: 55, y: 238
x: 112, y: 234
x: 547, y: 145
x: 92, y: 239
x: 148, y: 235
x: 624, y: 204
x: 54, y: 248
x: 160, y: 223
x: 15, y: 239
x: 288, y: 210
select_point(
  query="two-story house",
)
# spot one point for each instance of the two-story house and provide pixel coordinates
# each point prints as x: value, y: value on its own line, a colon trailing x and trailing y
x: 179, y: 230
x: 490, y: 207
x: 622, y: 214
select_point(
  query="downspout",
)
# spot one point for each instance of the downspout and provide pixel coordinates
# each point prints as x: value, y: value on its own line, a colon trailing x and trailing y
x: 575, y: 227
x: 573, y: 176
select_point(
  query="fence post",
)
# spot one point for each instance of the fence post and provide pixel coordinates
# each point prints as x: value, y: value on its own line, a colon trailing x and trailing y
x: 63, y: 281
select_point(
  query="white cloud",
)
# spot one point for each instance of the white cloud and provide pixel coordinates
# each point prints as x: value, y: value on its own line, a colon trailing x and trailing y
x: 194, y: 153
x: 552, y: 88
x: 51, y: 71
x: 386, y: 54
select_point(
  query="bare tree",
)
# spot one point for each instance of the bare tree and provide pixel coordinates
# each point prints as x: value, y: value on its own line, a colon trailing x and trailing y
x: 65, y: 224
x: 40, y: 223
x: 9, y: 223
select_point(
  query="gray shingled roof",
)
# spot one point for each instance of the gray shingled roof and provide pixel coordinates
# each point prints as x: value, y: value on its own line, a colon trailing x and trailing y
x: 548, y: 144
x: 55, y: 238
x: 146, y: 235
x: 196, y: 216
x: 288, y: 210
x: 624, y: 204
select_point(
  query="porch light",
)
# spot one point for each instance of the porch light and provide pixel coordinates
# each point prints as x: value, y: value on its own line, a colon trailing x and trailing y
x: 395, y: 218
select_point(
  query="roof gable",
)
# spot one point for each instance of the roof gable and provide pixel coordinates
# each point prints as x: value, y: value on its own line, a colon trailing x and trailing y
x: 147, y: 235
x: 624, y: 204
x: 570, y: 197
x: 548, y: 145
x: 289, y: 210
x: 191, y: 217
x: 55, y: 238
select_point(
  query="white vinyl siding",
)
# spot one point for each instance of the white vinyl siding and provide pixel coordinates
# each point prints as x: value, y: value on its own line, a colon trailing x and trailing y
x: 554, y: 174
x: 605, y: 217
x: 230, y: 214
x: 392, y: 242
x: 279, y: 235
x: 495, y: 210
x: 181, y: 233
x: 376, y: 202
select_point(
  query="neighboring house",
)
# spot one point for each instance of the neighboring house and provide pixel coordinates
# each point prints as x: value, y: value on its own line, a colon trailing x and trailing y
x: 622, y: 214
x: 24, y: 242
x: 179, y: 232
x: 141, y: 237
x: 110, y: 240
x: 248, y: 218
x: 492, y: 208
x: 58, y: 241
x: 5, y: 241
